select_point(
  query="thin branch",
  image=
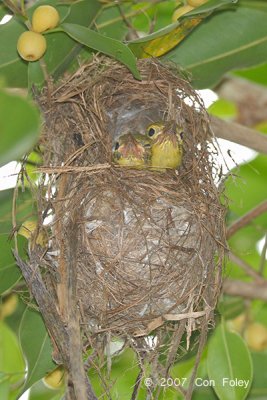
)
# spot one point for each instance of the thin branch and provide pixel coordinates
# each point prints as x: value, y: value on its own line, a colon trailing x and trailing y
x: 246, y: 267
x: 249, y: 97
x: 239, y: 134
x: 249, y: 290
x: 12, y: 7
x: 132, y: 31
x: 247, y: 218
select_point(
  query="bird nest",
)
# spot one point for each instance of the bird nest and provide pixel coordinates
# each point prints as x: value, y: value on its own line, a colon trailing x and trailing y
x: 145, y: 247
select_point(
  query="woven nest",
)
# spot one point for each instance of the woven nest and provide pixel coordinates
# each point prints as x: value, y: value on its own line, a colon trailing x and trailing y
x: 147, y: 245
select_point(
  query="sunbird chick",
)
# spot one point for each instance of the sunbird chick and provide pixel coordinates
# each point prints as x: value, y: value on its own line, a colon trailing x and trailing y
x: 132, y: 150
x: 166, y: 144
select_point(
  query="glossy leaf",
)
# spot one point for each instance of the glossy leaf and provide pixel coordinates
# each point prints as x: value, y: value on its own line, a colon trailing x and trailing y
x: 229, y: 365
x: 156, y: 45
x: 36, y: 346
x: 12, y: 365
x: 227, y: 40
x: 108, y: 46
x: 162, y: 41
x: 19, y: 126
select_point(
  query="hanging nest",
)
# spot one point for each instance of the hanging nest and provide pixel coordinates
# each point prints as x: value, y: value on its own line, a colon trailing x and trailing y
x: 147, y: 247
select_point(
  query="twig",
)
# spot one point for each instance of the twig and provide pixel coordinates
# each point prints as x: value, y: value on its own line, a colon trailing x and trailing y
x: 72, y: 169
x: 246, y: 267
x: 239, y: 134
x: 11, y: 6
x: 249, y: 290
x: 245, y: 219
x: 127, y: 22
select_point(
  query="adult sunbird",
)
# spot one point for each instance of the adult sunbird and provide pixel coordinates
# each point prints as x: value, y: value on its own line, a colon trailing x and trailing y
x: 132, y: 150
x: 166, y: 144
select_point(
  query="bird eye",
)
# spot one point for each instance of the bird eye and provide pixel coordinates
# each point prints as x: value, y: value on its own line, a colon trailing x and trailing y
x: 151, y: 132
x: 117, y: 145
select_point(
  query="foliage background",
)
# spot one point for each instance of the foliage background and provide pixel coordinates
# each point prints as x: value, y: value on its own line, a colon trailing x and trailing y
x: 217, y: 42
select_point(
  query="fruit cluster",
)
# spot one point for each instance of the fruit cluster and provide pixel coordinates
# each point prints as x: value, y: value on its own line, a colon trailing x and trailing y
x: 31, y: 44
x: 189, y: 6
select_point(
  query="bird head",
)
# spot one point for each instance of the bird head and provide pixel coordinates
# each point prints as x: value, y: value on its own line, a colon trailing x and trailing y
x: 161, y: 131
x: 128, y: 150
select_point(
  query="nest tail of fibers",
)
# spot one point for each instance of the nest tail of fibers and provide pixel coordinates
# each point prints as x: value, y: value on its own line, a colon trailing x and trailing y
x: 149, y: 244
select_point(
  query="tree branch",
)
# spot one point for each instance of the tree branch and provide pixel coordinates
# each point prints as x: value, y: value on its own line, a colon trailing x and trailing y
x: 245, y: 219
x: 239, y: 134
x: 250, y: 98
x: 249, y: 290
x: 246, y: 267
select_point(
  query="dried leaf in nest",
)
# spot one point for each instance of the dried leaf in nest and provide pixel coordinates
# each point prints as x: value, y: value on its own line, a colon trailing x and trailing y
x: 148, y: 245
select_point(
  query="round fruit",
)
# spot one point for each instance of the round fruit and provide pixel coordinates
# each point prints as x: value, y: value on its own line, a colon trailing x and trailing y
x: 9, y: 305
x: 44, y: 18
x: 256, y: 336
x: 180, y: 11
x: 31, y: 46
x: 196, y: 3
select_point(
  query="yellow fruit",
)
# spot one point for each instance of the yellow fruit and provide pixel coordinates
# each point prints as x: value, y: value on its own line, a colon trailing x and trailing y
x: 256, y: 336
x: 31, y: 46
x: 9, y: 305
x: 196, y: 3
x: 181, y: 11
x: 44, y: 18
x: 55, y: 379
x: 237, y: 324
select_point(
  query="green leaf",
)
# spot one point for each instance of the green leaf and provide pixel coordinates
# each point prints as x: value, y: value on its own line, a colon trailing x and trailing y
x: 255, y: 74
x: 162, y: 41
x: 12, y: 365
x: 110, y: 23
x: 4, y: 387
x: 229, y: 365
x: 108, y: 46
x: 40, y: 392
x: 9, y: 272
x: 259, y: 387
x: 227, y: 40
x: 223, y: 109
x: 36, y: 347
x: 19, y: 126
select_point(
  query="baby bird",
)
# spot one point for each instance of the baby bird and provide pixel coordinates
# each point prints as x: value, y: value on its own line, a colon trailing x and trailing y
x: 132, y: 150
x: 166, y: 145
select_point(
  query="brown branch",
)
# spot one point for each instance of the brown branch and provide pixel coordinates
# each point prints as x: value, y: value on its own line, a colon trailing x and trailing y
x: 66, y: 336
x: 132, y: 31
x: 249, y: 97
x: 249, y: 290
x: 239, y: 134
x: 245, y: 219
x: 246, y: 267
